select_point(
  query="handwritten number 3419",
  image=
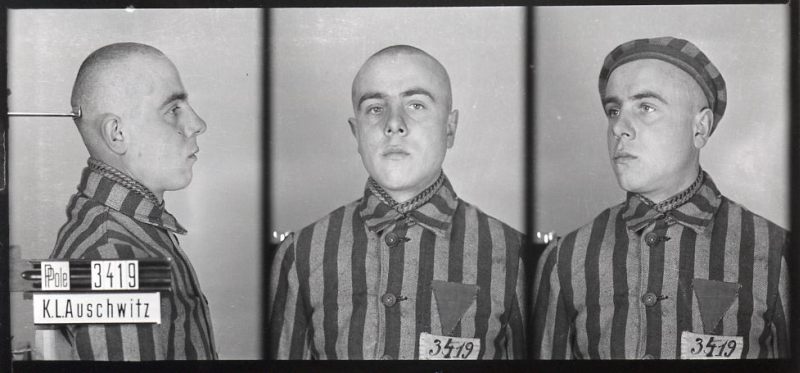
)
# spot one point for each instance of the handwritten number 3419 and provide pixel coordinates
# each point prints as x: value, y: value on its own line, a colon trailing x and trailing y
x: 711, y: 346
x: 449, y: 347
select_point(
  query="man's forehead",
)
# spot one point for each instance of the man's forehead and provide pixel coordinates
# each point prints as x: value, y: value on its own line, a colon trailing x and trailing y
x: 159, y: 72
x: 652, y: 74
x: 154, y: 81
x: 397, y: 73
x: 390, y: 68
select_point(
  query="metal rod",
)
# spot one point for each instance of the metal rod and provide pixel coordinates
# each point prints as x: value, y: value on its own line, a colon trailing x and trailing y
x: 36, y: 276
x: 73, y: 114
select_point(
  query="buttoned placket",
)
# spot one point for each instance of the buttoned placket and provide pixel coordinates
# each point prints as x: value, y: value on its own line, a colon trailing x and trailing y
x: 651, y: 238
x: 391, y: 238
x: 380, y: 287
x: 641, y: 260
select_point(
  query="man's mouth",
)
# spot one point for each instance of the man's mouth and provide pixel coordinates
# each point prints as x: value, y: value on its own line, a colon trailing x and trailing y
x: 194, y: 154
x: 395, y: 153
x: 622, y: 156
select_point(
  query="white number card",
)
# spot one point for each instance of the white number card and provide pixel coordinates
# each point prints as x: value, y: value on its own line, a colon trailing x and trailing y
x: 94, y: 308
x: 438, y: 347
x: 115, y: 274
x: 706, y: 346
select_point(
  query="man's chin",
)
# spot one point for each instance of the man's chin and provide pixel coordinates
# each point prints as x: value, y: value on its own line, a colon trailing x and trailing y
x: 179, y: 184
x: 627, y: 184
x: 392, y: 184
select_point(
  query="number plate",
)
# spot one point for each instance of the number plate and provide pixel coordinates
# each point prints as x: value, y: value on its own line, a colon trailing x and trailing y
x: 706, y: 346
x: 94, y: 308
x: 115, y: 274
x: 437, y: 347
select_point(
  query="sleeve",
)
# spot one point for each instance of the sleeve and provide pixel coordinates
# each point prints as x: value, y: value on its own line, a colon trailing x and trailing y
x: 117, y: 342
x: 517, y: 324
x: 551, y: 325
x: 288, y: 321
x: 51, y: 343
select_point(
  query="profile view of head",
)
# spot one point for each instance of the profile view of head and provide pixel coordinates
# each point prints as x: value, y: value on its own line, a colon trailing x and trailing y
x: 404, y: 122
x: 136, y: 116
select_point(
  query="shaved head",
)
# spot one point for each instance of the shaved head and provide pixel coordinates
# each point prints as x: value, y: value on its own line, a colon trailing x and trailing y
x: 112, y: 80
x: 135, y: 115
x: 109, y: 74
x: 403, y: 119
x: 391, y: 53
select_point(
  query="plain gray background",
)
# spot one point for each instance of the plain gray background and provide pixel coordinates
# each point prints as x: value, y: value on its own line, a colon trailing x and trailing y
x: 218, y: 54
x: 747, y: 156
x: 317, y: 52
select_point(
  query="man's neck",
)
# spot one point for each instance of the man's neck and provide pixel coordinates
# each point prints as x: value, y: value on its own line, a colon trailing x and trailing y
x: 685, y: 181
x: 410, y: 203
x: 401, y: 196
x: 116, y: 168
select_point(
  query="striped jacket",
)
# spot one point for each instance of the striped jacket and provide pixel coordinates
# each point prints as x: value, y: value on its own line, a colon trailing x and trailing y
x: 631, y: 282
x: 365, y: 282
x: 108, y: 221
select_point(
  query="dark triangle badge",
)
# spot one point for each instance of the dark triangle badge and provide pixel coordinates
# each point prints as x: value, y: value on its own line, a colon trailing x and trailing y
x: 453, y: 299
x: 714, y: 298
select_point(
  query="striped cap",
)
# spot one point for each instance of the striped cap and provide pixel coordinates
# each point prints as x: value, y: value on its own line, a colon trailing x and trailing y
x: 678, y: 52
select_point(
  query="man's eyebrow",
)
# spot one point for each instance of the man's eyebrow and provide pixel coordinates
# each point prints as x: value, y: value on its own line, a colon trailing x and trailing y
x: 368, y: 96
x: 418, y: 91
x: 177, y: 96
x: 638, y: 96
x: 611, y: 100
x: 649, y: 94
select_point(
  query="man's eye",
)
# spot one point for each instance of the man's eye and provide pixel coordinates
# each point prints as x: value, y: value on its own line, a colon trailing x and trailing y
x: 647, y: 108
x: 417, y: 106
x: 174, y: 110
x: 612, y: 112
x: 375, y: 110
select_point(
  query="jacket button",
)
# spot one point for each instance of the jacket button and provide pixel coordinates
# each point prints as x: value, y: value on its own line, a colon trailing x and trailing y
x: 649, y: 299
x: 388, y: 299
x: 651, y: 239
x: 391, y: 239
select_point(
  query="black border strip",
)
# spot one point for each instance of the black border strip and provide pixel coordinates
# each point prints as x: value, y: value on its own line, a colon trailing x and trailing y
x: 5, y: 297
x: 268, y: 249
x: 532, y: 255
x: 794, y: 173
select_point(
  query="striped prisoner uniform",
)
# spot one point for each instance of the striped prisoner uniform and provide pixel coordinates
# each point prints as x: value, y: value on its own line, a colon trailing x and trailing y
x: 357, y: 284
x: 625, y: 286
x: 106, y: 220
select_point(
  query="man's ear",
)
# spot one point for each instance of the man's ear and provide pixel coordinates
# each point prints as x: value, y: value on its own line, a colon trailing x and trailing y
x: 702, y: 127
x: 113, y: 133
x: 452, y: 126
x: 352, y: 122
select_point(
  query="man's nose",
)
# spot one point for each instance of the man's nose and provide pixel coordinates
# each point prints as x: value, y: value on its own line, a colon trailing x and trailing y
x: 194, y: 125
x: 623, y: 126
x: 395, y: 123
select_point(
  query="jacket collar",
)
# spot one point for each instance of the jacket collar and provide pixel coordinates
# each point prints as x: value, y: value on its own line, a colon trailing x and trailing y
x: 116, y: 196
x: 435, y: 215
x: 695, y: 213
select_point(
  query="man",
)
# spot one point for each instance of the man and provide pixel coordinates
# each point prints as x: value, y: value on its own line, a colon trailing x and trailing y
x: 409, y: 271
x: 141, y: 134
x: 677, y: 271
